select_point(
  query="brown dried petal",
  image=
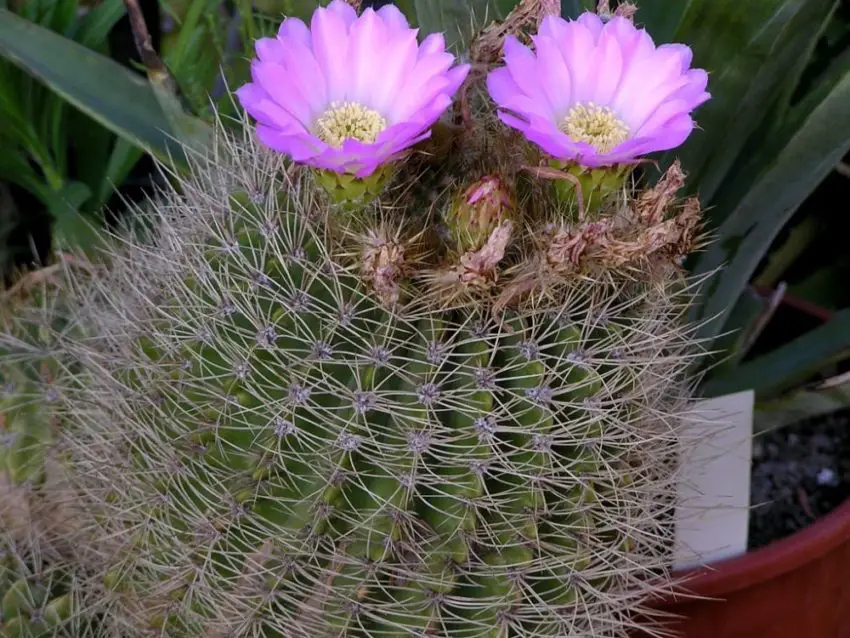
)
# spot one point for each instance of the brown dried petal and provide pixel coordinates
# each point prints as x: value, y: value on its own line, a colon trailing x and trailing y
x: 383, y: 267
x: 652, y: 203
x: 626, y: 10
x: 568, y: 247
x: 487, y: 47
x: 477, y: 268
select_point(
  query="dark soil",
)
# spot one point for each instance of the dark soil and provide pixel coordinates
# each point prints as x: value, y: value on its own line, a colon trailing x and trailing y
x: 800, y: 473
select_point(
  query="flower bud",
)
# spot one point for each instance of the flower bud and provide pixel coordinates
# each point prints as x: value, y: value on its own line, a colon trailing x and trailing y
x: 477, y: 212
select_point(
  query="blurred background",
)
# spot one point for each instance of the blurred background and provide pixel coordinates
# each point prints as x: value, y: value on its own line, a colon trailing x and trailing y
x: 90, y: 100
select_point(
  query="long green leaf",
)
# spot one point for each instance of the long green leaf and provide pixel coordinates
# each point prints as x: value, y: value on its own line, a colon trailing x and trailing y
x: 98, y: 23
x: 748, y: 49
x: 785, y: 367
x: 808, y: 156
x: 661, y: 19
x: 111, y: 94
x: 824, y: 398
x: 458, y: 19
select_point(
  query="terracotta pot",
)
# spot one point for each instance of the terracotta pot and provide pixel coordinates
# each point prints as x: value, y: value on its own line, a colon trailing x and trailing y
x: 795, y: 587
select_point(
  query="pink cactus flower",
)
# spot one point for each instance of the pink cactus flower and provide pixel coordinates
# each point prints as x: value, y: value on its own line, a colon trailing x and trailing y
x: 349, y: 93
x: 598, y: 93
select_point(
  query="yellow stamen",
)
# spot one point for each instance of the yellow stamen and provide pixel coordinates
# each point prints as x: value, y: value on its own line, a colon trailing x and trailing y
x: 595, y: 125
x: 344, y: 120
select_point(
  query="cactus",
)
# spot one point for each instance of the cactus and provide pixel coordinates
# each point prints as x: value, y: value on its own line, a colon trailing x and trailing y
x: 314, y: 409
x: 37, y: 517
x: 266, y: 442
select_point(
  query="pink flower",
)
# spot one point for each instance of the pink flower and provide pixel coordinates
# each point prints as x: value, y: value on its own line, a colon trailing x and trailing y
x: 349, y: 93
x: 598, y: 93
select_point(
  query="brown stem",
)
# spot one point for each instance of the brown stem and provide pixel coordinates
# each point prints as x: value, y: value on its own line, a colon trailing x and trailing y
x: 142, y: 37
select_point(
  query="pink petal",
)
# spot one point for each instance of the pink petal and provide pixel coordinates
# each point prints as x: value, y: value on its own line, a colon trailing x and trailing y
x: 636, y: 67
x: 306, y: 74
x: 557, y: 76
x: 393, y: 18
x: 412, y: 91
x: 552, y: 27
x: 269, y: 50
x: 433, y: 43
x: 592, y: 22
x: 607, y: 68
x: 344, y: 10
x: 279, y: 85
x: 455, y: 77
x: 299, y: 147
x: 294, y: 29
x: 577, y: 47
x: 399, y: 57
x: 661, y: 115
x: 524, y: 68
x: 261, y: 107
x: 366, y: 36
x: 330, y: 46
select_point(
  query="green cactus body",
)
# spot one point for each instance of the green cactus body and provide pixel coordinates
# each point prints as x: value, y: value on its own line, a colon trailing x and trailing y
x: 37, y: 588
x: 264, y: 447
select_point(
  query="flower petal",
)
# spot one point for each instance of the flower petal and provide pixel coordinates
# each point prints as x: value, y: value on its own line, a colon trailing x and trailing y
x: 592, y: 22
x: 393, y: 18
x: 367, y: 36
x: 299, y: 147
x: 577, y: 47
x: 606, y: 68
x: 344, y: 10
x: 330, y: 46
x: 307, y: 75
x: 262, y: 108
x: 399, y: 57
x: 524, y: 69
x: 558, y: 82
x: 294, y: 29
x: 269, y: 50
x: 280, y: 86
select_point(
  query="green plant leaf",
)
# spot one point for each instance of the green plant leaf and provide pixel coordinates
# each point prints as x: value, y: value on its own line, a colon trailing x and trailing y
x: 661, y: 19
x: 458, y: 19
x: 111, y: 94
x: 789, y: 365
x: 98, y: 23
x: 808, y: 155
x: 70, y: 228
x: 123, y: 158
x: 748, y: 49
x: 574, y: 8
x: 823, y: 398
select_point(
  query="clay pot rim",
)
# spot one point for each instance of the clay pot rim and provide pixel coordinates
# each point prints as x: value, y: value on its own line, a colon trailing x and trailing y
x: 766, y: 563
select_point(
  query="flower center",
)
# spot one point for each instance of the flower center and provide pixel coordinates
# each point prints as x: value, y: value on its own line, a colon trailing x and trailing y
x: 595, y: 125
x: 344, y: 120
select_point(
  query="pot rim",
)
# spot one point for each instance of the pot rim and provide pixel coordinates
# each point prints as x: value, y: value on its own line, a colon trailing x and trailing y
x: 771, y: 561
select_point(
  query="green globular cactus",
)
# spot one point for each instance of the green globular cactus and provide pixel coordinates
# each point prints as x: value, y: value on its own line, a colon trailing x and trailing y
x: 266, y: 445
x: 37, y: 518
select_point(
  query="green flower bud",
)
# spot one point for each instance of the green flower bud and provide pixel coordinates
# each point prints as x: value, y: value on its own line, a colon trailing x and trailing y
x: 478, y: 211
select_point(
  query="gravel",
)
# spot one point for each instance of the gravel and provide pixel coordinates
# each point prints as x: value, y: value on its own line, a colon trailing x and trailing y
x: 799, y: 474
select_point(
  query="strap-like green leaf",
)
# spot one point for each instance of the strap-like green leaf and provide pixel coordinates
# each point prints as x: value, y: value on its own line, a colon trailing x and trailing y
x: 809, y: 154
x: 458, y: 19
x: 111, y: 94
x: 787, y: 366
x: 824, y: 398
